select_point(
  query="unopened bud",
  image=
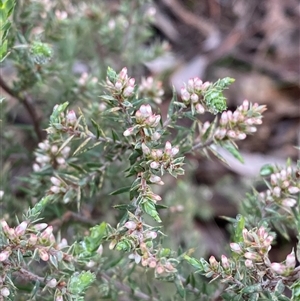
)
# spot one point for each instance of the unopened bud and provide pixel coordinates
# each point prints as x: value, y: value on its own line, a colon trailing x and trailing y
x: 235, y: 248
x: 71, y: 117
x: 20, y: 230
x: 278, y: 268
x: 130, y: 225
x: 43, y: 254
x: 52, y: 283
x: 249, y: 263
x: 291, y: 260
x: 55, y: 181
x: 4, y: 292
x: 4, y: 255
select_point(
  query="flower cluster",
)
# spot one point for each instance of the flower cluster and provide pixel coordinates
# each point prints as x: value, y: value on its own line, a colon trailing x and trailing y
x: 120, y: 85
x: 37, y: 241
x: 283, y: 186
x: 152, y: 89
x: 146, y: 122
x: 192, y: 94
x: 236, y: 125
x: 162, y: 159
x: 47, y: 154
x: 140, y: 242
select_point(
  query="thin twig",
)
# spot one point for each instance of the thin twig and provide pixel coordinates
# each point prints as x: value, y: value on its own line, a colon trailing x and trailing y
x: 125, y: 288
x: 27, y: 102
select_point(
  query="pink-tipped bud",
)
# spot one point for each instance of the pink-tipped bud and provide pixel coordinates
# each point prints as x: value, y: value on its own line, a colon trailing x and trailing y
x: 194, y: 98
x: 118, y: 85
x: 249, y: 263
x: 291, y: 260
x: 212, y: 261
x: 71, y: 117
x: 159, y: 269
x: 154, y: 165
x: 128, y: 91
x: 32, y: 239
x: 155, y: 179
x: 43, y: 254
x: 225, y: 262
x: 128, y: 132
x: 245, y: 105
x: 40, y: 226
x: 293, y: 190
x: 168, y: 148
x: 46, y: 233
x: 4, y: 255
x: 278, y: 268
x: 131, y: 82
x: 59, y: 298
x: 52, y: 283
x: 4, y: 226
x: 252, y: 256
x: 130, y: 225
x: 289, y: 202
x: 152, y: 263
x: 156, y: 136
x: 21, y: 229
x: 224, y: 118
x: 145, y: 149
x: 199, y: 108
x: 236, y: 248
x: 55, y: 181
x: 4, y: 292
x: 123, y: 73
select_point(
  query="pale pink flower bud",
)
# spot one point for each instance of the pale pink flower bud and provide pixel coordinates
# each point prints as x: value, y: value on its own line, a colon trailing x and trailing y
x: 194, y: 98
x: 154, y: 165
x: 54, y: 149
x: 168, y: 147
x: 4, y: 255
x: 63, y: 243
x: 190, y: 84
x: 174, y: 151
x: 278, y: 268
x: 257, y: 121
x: 231, y: 134
x: 289, y: 202
x: 128, y: 132
x: 4, y: 226
x: 185, y: 95
x: 145, y: 149
x: 128, y: 91
x: 55, y: 181
x: 71, y: 117
x: 60, y: 160
x: 289, y: 170
x: 245, y: 105
x: 285, y: 184
x: 123, y: 73
x: 293, y: 190
x: 283, y: 175
x: 46, y: 233
x: 249, y: 263
x: 242, y: 136
x: 291, y: 260
x: 261, y: 232
x: 100, y: 250
x: 146, y: 110
x: 55, y: 189
x: 36, y: 167
x: 20, y: 230
x: 151, y: 234
x: 205, y: 85
x: 159, y: 269
x: 249, y: 121
x: 252, y: 256
x: 276, y: 191
x: 144, y: 262
x: 32, y: 239
x: 91, y: 264
x: 52, y: 283
x: 4, y: 292
x: 43, y: 254
x: 130, y: 225
x: 273, y: 179
x: 155, y: 179
x: 199, y: 108
x: 229, y: 115
x: 235, y: 248
x: 252, y: 129
x: 212, y: 261
x: 156, y: 136
x: 40, y: 226
x: 118, y: 85
x: 224, y: 118
x: 152, y: 263
x: 197, y: 83
x: 131, y: 82
x: 225, y: 262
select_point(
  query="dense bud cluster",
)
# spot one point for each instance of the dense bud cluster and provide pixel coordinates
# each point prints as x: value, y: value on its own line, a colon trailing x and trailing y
x: 120, y: 84
x: 47, y: 154
x: 282, y: 190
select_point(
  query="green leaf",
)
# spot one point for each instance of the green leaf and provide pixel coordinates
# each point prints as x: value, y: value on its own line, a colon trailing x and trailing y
x: 121, y: 190
x: 82, y: 145
x: 111, y: 74
x: 194, y: 262
x: 171, y: 105
x: 79, y: 282
x: 180, y: 287
x: 239, y: 226
x: 149, y: 207
x: 266, y: 170
x: 228, y: 145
